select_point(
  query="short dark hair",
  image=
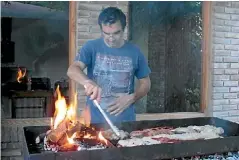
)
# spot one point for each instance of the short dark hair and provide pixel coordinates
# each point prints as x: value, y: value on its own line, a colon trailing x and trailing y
x: 111, y: 15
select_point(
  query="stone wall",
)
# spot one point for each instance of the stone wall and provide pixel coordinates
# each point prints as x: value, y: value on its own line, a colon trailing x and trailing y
x: 12, y: 136
x: 225, y: 49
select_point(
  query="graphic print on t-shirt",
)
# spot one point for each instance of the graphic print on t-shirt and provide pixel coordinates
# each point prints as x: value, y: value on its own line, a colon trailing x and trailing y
x: 113, y: 74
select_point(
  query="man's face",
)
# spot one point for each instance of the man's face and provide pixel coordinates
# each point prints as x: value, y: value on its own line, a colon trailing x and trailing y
x: 113, y: 34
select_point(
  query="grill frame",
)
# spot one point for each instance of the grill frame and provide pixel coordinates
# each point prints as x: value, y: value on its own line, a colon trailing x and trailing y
x: 159, y: 151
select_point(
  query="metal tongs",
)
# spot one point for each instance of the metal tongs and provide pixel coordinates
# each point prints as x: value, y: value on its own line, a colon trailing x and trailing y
x: 113, y: 127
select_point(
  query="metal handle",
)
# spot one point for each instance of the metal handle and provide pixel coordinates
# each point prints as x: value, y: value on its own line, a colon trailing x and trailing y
x: 115, y: 130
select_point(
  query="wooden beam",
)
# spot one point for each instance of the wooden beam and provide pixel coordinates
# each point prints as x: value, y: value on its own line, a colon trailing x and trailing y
x: 206, y: 56
x: 72, y: 44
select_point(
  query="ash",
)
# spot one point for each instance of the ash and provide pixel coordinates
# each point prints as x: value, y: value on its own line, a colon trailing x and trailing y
x: 50, y: 147
x: 85, y: 146
x: 78, y: 146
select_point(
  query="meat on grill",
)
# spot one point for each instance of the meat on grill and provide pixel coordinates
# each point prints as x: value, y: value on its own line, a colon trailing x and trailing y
x: 151, y: 132
x: 110, y: 135
x: 169, y: 135
x: 198, y: 129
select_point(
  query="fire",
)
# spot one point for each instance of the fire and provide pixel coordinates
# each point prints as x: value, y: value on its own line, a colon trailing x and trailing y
x: 71, y: 139
x: 85, y: 117
x: 20, y: 74
x: 66, y: 114
x: 100, y: 136
x: 61, y: 109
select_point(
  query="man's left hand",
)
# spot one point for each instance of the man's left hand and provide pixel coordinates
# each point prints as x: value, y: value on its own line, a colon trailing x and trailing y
x: 120, y: 104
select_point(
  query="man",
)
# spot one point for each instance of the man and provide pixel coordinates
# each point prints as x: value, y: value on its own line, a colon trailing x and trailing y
x: 112, y: 63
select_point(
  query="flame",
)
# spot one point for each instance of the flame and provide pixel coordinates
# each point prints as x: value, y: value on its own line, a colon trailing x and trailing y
x: 20, y: 74
x: 71, y: 139
x: 100, y: 136
x: 61, y: 108
x: 89, y: 136
x: 51, y: 123
x: 64, y: 112
x: 85, y: 117
x: 71, y: 112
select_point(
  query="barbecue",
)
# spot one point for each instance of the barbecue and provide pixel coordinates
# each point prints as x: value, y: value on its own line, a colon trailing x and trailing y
x: 87, y: 135
x: 70, y: 138
x: 161, y: 146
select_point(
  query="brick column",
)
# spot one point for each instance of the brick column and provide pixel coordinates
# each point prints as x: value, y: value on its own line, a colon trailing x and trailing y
x: 88, y: 28
x: 225, y: 45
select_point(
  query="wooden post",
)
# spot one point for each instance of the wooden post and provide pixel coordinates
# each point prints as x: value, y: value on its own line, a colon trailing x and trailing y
x: 206, y: 55
x: 72, y: 44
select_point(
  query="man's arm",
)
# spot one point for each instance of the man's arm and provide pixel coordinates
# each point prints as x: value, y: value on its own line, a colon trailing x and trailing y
x: 75, y: 72
x: 142, y: 89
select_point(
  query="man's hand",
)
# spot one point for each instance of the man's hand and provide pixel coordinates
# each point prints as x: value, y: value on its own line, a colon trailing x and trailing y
x: 92, y: 90
x: 120, y: 104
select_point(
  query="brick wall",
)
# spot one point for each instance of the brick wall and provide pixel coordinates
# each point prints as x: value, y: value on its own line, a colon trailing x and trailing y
x: 12, y: 136
x: 88, y: 28
x: 225, y: 27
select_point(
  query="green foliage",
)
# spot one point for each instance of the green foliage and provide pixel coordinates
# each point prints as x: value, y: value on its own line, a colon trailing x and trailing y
x: 192, y: 97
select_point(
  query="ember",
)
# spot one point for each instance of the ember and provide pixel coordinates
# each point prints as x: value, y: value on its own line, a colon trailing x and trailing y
x: 69, y: 134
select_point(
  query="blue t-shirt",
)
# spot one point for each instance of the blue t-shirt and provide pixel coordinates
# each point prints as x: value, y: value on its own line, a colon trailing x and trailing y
x: 113, y: 69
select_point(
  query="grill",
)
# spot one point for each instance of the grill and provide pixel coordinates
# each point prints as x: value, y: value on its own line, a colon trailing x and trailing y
x: 229, y: 143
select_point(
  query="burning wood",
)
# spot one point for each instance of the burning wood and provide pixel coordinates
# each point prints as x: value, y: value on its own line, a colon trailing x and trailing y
x: 57, y: 133
x: 69, y: 134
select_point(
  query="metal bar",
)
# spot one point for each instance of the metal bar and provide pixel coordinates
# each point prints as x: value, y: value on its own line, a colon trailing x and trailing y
x: 114, y: 128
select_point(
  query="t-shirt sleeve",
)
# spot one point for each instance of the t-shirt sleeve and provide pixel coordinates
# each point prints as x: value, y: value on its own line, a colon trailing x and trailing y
x: 142, y: 69
x: 85, y: 54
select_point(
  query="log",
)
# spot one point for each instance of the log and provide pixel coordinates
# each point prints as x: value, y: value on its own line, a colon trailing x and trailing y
x: 57, y: 133
x: 63, y: 140
x: 64, y: 128
x: 73, y: 129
